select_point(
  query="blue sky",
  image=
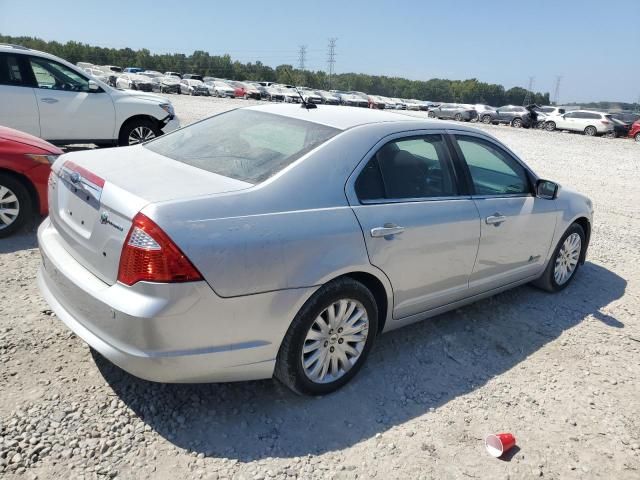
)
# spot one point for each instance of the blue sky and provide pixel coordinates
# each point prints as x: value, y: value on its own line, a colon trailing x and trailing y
x: 594, y: 45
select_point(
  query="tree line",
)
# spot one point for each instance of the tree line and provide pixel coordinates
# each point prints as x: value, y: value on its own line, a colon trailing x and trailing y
x: 223, y: 66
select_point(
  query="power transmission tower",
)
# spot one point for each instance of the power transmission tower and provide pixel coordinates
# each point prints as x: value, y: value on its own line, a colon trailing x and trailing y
x: 527, y: 97
x: 302, y: 56
x: 331, y: 57
x: 556, y: 93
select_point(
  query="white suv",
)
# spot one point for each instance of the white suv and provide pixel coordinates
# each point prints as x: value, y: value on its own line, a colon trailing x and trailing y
x: 588, y: 122
x: 45, y: 96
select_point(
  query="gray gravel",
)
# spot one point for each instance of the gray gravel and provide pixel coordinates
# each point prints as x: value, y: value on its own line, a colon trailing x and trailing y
x: 559, y: 371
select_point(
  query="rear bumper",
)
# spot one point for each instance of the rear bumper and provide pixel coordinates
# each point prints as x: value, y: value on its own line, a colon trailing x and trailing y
x: 166, y: 332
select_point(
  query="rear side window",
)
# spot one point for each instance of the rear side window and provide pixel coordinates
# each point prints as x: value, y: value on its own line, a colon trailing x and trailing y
x: 246, y: 145
x: 408, y: 168
x: 11, y: 72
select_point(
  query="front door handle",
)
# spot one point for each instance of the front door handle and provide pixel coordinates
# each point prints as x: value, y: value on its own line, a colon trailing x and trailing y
x: 388, y: 229
x: 495, y: 219
x: 50, y: 100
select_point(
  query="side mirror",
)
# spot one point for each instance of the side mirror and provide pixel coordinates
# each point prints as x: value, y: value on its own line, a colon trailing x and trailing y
x: 94, y: 87
x: 547, y: 189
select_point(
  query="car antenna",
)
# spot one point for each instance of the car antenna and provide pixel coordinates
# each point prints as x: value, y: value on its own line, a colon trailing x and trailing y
x: 306, y: 105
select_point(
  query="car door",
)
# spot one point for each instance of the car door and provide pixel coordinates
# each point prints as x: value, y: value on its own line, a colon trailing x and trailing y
x: 418, y: 227
x: 18, y: 107
x: 69, y: 110
x: 503, y: 114
x: 568, y: 121
x: 516, y: 227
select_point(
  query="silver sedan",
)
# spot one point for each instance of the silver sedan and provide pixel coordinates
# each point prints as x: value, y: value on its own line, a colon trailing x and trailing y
x: 281, y: 241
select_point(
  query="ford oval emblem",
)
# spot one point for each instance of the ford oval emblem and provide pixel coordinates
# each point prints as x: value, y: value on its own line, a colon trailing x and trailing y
x: 75, y: 177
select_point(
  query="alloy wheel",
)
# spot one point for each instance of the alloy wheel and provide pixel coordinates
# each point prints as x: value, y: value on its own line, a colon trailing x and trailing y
x: 590, y: 131
x: 458, y: 117
x: 9, y: 207
x: 486, y: 119
x: 637, y: 137
x: 517, y: 123
x: 141, y: 134
x: 567, y: 259
x: 335, y: 341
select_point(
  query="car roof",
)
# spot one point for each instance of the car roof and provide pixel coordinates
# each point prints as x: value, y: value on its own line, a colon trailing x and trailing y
x: 344, y: 118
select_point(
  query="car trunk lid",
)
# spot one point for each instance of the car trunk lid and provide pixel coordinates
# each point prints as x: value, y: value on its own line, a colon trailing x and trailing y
x: 94, y: 196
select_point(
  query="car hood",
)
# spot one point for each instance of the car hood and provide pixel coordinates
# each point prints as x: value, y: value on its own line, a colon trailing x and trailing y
x: 144, y: 95
x: 26, y: 139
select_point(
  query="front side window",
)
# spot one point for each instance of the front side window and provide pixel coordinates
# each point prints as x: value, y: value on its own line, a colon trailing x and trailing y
x: 243, y: 144
x: 55, y: 76
x: 408, y: 168
x: 493, y: 171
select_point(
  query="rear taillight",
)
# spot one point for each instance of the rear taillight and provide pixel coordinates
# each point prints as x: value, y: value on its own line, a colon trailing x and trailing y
x: 605, y: 122
x: 149, y: 255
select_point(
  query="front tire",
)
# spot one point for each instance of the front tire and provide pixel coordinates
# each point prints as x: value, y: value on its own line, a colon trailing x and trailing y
x: 486, y: 119
x: 15, y: 205
x: 138, y: 131
x: 550, y: 126
x: 457, y: 117
x: 329, y: 339
x: 564, y: 262
x: 637, y: 137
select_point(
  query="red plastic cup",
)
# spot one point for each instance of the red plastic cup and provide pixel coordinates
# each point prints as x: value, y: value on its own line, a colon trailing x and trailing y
x: 499, y: 444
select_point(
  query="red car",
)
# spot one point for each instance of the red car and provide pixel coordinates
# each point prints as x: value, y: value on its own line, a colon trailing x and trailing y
x: 25, y: 162
x: 634, y: 132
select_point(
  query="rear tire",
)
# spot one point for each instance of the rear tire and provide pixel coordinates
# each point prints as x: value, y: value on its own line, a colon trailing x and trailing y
x: 486, y: 119
x: 516, y: 123
x: 16, y: 206
x: 303, y: 334
x: 637, y: 137
x: 431, y: 115
x: 548, y: 280
x: 457, y: 117
x: 590, y: 131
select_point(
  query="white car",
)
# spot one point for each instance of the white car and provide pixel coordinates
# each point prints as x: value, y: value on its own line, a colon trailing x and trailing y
x: 221, y: 89
x: 589, y: 122
x: 134, y: 81
x: 50, y: 98
x: 192, y: 86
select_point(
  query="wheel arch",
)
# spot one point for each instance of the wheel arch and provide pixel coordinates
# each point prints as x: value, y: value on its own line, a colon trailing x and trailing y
x: 380, y: 290
x: 28, y: 184
x: 586, y: 227
x: 130, y: 119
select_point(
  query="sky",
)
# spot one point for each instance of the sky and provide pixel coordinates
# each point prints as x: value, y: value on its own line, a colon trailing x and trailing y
x: 593, y: 45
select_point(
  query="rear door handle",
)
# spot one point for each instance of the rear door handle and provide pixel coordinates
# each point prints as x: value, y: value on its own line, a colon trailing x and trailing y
x: 388, y: 229
x: 495, y: 219
x: 50, y: 100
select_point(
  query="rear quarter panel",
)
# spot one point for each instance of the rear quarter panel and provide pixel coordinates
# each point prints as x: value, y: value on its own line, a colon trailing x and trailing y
x: 294, y: 230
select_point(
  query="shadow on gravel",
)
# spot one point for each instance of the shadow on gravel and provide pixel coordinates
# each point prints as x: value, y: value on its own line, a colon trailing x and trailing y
x: 410, y: 370
x: 22, y: 240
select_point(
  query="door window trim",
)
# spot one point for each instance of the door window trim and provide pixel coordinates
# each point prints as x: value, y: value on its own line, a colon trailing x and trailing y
x: 350, y: 190
x: 532, y: 178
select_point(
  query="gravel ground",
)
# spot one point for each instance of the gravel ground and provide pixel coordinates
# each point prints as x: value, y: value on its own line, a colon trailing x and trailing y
x: 559, y: 371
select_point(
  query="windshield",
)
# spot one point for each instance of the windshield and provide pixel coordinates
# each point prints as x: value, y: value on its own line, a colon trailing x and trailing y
x: 246, y: 145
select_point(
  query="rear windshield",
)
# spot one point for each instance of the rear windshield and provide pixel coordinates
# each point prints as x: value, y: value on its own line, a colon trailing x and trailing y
x: 243, y: 144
